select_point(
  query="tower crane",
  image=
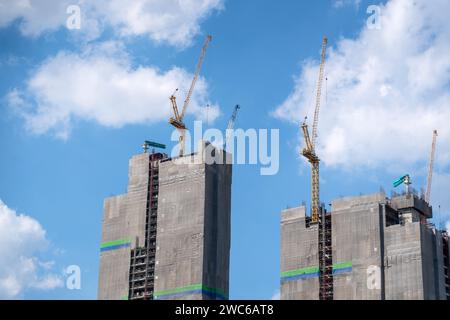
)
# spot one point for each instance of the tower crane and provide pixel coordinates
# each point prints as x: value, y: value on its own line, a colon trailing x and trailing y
x: 230, y: 125
x: 177, y: 119
x: 430, y: 166
x: 309, y: 152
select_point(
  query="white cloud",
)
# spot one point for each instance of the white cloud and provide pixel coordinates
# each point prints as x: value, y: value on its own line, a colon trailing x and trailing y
x: 173, y: 21
x: 21, y: 240
x: 276, y: 295
x: 36, y: 16
x: 49, y: 282
x: 343, y: 3
x: 101, y: 85
x: 387, y: 90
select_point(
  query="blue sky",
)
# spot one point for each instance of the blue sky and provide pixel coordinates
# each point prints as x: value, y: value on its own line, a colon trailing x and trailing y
x: 61, y: 155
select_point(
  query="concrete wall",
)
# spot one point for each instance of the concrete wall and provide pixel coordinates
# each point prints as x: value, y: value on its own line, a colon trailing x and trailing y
x: 123, y: 226
x: 357, y: 247
x: 414, y: 263
x: 299, y: 257
x: 193, y: 242
x: 193, y: 228
x: 408, y: 202
x: 114, y: 258
x: 432, y: 264
x: 441, y: 293
x: 375, y: 256
x: 447, y: 267
x: 217, y: 229
x: 138, y: 176
x: 404, y: 276
x: 179, y: 245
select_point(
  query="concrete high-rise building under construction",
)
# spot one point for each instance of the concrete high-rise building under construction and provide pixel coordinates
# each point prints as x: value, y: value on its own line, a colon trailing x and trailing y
x: 380, y: 248
x: 168, y: 237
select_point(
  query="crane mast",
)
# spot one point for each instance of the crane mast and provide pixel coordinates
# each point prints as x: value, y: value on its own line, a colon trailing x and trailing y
x: 230, y: 125
x: 318, y: 214
x: 196, y: 74
x: 430, y: 166
x: 309, y: 152
x: 319, y: 91
x: 177, y: 119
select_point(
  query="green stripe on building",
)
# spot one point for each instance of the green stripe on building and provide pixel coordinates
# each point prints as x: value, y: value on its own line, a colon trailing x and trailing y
x: 342, y: 265
x: 114, y: 243
x: 296, y: 272
x: 215, y: 290
x: 309, y: 270
x: 189, y: 288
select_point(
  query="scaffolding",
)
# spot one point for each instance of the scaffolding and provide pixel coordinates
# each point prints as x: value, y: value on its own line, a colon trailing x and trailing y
x: 325, y: 257
x: 142, y: 260
x: 445, y: 242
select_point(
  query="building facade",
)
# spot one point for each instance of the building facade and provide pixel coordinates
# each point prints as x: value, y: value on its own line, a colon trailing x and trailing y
x: 381, y: 249
x: 168, y: 237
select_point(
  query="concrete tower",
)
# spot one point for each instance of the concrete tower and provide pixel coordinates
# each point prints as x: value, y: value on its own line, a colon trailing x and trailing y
x: 381, y: 249
x: 168, y: 237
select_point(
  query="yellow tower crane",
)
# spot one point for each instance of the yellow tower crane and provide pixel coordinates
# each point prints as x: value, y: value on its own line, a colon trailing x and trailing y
x: 177, y: 119
x: 309, y: 152
x: 430, y: 166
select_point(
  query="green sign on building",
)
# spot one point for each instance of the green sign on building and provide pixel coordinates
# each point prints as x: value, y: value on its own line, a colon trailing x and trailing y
x: 155, y: 144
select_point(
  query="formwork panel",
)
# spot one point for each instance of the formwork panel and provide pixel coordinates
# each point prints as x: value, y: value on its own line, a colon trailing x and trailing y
x: 193, y: 244
x: 217, y: 230
x: 299, y: 257
x: 382, y: 249
x: 114, y: 251
x: 404, y: 278
x: 356, y: 246
x: 136, y: 204
x: 179, y: 251
x: 432, y: 263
